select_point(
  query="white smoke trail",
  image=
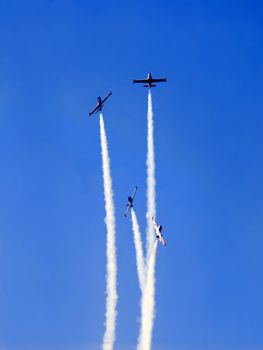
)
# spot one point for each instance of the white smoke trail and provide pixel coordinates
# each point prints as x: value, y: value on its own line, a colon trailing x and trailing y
x: 148, y: 293
x: 150, y: 162
x: 138, y: 249
x: 111, y: 276
x: 148, y: 303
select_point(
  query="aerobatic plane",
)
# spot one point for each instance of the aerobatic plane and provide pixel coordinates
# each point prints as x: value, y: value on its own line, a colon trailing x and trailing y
x: 100, y: 104
x: 149, y: 81
x: 158, y: 230
x: 130, y: 201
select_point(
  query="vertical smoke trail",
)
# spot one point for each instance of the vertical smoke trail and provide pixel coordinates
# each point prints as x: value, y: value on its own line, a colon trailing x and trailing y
x: 138, y: 249
x: 148, y: 294
x: 148, y: 303
x: 150, y: 162
x: 111, y: 276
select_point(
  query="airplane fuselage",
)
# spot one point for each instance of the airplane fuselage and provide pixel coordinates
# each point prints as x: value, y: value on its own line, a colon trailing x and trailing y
x: 149, y: 81
x: 100, y: 105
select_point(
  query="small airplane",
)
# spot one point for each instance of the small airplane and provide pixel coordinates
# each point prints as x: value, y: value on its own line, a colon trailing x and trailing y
x: 149, y: 81
x: 158, y: 230
x: 100, y: 104
x: 130, y: 202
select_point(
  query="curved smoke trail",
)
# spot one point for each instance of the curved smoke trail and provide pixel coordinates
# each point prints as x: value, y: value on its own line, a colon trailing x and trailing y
x: 111, y: 276
x: 138, y: 249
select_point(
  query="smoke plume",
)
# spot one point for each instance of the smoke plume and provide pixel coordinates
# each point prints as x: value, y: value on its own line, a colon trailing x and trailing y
x: 148, y: 303
x: 150, y: 163
x: 138, y: 249
x: 148, y: 292
x: 111, y: 274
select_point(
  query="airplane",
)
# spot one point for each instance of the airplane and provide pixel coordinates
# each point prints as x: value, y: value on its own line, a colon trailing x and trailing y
x: 130, y: 202
x: 158, y: 230
x: 100, y: 104
x: 149, y: 81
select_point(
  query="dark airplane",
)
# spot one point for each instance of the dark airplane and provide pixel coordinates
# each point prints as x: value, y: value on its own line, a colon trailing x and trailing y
x: 149, y: 81
x: 100, y: 104
x: 130, y: 201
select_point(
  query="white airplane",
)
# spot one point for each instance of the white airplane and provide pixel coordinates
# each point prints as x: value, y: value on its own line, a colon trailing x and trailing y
x: 158, y: 230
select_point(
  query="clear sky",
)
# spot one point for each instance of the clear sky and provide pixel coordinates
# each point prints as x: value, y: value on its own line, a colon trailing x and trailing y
x: 56, y: 57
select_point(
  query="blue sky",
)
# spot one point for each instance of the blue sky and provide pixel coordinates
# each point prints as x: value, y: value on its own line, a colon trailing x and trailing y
x: 56, y: 57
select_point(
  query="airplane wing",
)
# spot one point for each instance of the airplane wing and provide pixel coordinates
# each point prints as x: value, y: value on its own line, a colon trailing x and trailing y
x: 143, y: 81
x: 127, y: 210
x: 162, y: 240
x: 95, y: 110
x: 159, y: 80
x: 106, y: 97
x: 134, y: 192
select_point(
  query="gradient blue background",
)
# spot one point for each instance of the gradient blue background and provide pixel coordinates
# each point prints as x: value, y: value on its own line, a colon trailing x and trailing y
x: 56, y: 57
